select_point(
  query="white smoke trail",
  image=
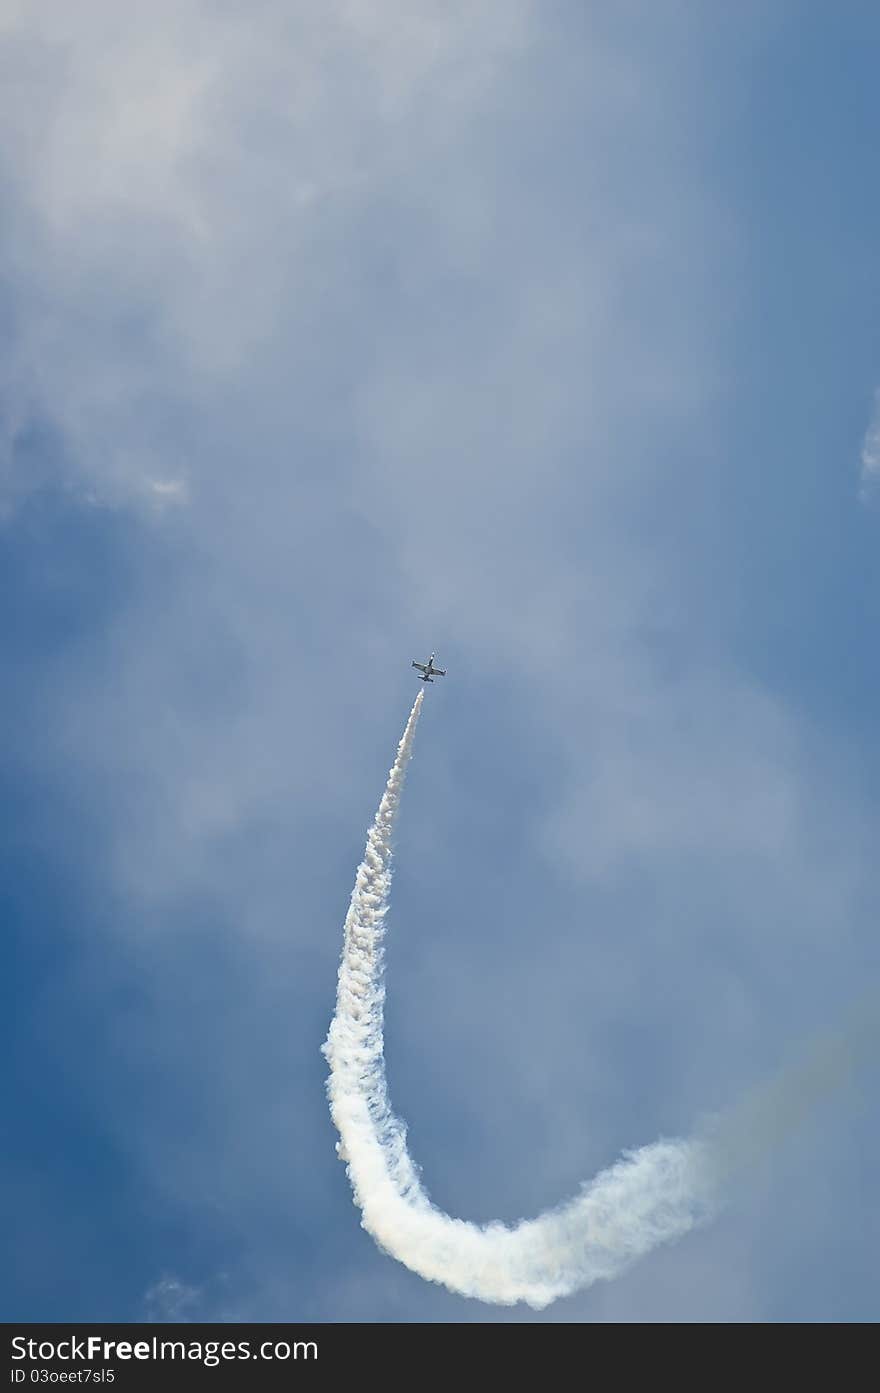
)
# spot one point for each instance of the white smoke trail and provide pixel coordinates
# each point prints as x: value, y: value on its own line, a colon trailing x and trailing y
x: 652, y: 1196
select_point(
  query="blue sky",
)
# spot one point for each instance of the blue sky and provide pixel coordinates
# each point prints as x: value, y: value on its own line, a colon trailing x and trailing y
x: 334, y: 333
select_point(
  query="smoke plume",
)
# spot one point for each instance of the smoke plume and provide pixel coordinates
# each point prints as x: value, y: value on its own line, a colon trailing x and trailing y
x: 651, y: 1196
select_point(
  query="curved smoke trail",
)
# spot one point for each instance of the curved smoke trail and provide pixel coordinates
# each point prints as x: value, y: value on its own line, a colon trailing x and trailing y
x: 652, y: 1196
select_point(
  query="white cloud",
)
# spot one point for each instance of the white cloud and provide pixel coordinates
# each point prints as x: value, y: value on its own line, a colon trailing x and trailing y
x: 167, y: 491
x: 175, y: 175
x: 170, y: 1299
x: 870, y: 461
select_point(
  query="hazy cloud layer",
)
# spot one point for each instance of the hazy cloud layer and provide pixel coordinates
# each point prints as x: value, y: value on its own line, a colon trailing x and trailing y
x: 334, y: 333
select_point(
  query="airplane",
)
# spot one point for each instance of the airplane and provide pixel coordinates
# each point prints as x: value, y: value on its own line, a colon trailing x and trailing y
x: 429, y: 671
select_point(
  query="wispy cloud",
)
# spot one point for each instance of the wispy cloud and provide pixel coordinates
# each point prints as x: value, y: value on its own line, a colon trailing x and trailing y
x: 870, y: 461
x: 170, y: 1299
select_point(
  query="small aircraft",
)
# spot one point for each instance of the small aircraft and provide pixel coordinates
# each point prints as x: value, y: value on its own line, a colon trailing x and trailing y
x: 429, y: 671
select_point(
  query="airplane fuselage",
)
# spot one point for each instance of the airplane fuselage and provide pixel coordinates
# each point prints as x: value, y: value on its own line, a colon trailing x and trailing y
x: 427, y: 671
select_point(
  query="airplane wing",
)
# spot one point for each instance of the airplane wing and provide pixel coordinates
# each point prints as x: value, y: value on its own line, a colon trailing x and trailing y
x: 421, y: 667
x: 440, y: 671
